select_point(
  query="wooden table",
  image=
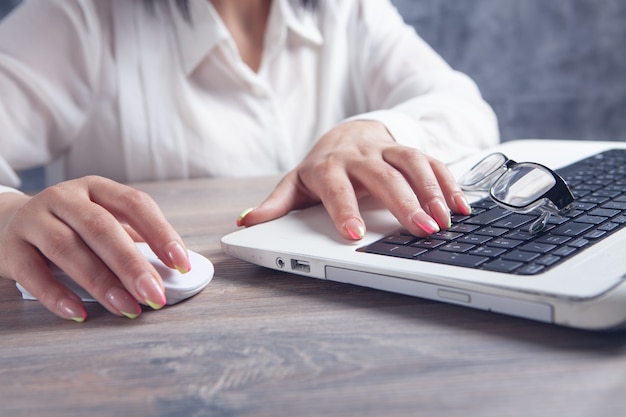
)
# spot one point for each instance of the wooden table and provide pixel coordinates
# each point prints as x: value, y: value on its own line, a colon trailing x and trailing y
x: 264, y: 343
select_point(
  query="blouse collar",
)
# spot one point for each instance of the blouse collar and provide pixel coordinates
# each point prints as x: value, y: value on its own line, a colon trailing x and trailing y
x: 205, y: 30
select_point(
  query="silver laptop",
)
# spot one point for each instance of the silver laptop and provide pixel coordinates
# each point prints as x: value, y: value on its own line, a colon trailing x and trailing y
x: 569, y: 273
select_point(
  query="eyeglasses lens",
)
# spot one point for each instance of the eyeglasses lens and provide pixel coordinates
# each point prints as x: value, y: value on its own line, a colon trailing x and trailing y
x: 522, y: 185
x: 481, y: 173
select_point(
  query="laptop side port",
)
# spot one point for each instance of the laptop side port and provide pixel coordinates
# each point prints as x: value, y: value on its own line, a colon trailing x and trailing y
x: 300, y: 266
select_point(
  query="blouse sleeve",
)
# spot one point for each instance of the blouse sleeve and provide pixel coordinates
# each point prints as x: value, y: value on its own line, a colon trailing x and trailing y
x: 48, y: 65
x: 421, y: 100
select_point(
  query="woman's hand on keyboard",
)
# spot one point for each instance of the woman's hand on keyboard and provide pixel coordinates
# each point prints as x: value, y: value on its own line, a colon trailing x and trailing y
x: 87, y: 228
x: 360, y: 158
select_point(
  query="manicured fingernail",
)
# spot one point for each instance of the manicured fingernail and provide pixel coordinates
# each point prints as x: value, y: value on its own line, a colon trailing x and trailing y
x: 441, y: 213
x: 243, y: 216
x: 355, y: 229
x: 71, y: 310
x: 463, y: 204
x: 427, y: 224
x: 151, y: 292
x: 179, y: 257
x: 123, y: 302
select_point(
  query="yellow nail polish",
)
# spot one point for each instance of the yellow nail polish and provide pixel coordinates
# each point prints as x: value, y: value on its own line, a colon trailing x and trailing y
x: 243, y: 216
x: 153, y: 305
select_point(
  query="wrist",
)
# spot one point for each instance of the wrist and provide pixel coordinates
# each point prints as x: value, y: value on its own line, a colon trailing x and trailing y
x: 10, y: 198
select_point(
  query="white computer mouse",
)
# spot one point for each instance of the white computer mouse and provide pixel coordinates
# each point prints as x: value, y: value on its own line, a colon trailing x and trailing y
x: 178, y: 287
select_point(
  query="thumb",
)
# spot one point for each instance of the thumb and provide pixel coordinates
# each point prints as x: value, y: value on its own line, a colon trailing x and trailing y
x: 290, y: 194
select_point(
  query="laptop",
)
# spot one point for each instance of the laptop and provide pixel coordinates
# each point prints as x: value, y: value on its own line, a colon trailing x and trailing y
x: 572, y: 273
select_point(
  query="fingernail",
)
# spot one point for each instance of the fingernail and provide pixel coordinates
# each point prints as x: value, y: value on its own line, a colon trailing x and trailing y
x: 441, y: 213
x: 243, y: 216
x: 71, y: 310
x: 123, y: 302
x: 426, y: 223
x: 463, y: 204
x: 178, y: 256
x: 151, y: 292
x: 355, y: 229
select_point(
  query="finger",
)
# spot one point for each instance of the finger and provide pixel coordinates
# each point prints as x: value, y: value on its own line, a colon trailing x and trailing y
x: 332, y: 189
x: 31, y: 271
x: 91, y: 230
x: 65, y: 248
x: 141, y: 212
x: 132, y: 232
x: 389, y: 185
x: 451, y: 190
x: 107, y: 255
x: 417, y: 170
x: 288, y: 195
x: 332, y: 185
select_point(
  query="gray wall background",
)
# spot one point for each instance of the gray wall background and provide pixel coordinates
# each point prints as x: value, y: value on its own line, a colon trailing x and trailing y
x: 550, y: 68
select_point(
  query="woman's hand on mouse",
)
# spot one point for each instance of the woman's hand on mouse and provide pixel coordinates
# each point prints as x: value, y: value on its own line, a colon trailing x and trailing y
x: 87, y: 227
x: 359, y: 158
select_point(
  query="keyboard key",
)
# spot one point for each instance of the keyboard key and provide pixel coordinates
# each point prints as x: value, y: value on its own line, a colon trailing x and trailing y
x: 521, y: 256
x: 604, y: 212
x: 554, y: 219
x: 579, y: 243
x: 519, y: 235
x: 399, y: 239
x: 606, y: 193
x: 488, y: 251
x: 617, y: 205
x: 530, y: 269
x: 548, y: 260
x: 584, y: 206
x: 457, y: 247
x: 492, y: 231
x: 514, y: 221
x: 489, y: 216
x: 609, y: 226
x: 594, y: 199
x: 382, y: 248
x: 428, y: 243
x: 484, y: 204
x: 505, y: 243
x: 537, y: 247
x: 595, y: 234
x: 591, y: 219
x: 474, y: 239
x: 451, y: 258
x: 446, y: 235
x: 463, y: 228
x: 571, y: 229
x: 502, y: 266
x: 564, y: 251
x: 458, y: 218
x: 553, y: 239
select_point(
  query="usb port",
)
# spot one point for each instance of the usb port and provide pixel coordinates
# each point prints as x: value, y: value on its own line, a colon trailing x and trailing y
x: 301, y: 266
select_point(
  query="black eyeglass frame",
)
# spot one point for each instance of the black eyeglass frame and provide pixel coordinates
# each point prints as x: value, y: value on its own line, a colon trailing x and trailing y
x: 557, y: 200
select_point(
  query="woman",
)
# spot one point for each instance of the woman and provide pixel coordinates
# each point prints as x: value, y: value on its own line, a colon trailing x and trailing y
x: 339, y: 94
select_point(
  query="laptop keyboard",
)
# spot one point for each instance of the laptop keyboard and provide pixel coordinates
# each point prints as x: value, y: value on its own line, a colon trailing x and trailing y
x: 495, y: 239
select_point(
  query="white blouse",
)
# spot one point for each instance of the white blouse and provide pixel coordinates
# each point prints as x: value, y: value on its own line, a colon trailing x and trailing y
x: 133, y: 94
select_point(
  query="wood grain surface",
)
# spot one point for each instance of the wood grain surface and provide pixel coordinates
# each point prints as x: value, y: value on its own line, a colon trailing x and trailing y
x: 262, y: 343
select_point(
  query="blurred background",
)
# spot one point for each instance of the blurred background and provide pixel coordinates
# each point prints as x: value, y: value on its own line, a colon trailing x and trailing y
x: 550, y: 68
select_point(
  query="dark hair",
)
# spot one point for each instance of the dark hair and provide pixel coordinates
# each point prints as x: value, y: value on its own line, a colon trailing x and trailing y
x: 183, y: 6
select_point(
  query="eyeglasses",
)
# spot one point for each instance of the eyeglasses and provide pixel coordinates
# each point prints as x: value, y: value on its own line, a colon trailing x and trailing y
x: 522, y: 187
